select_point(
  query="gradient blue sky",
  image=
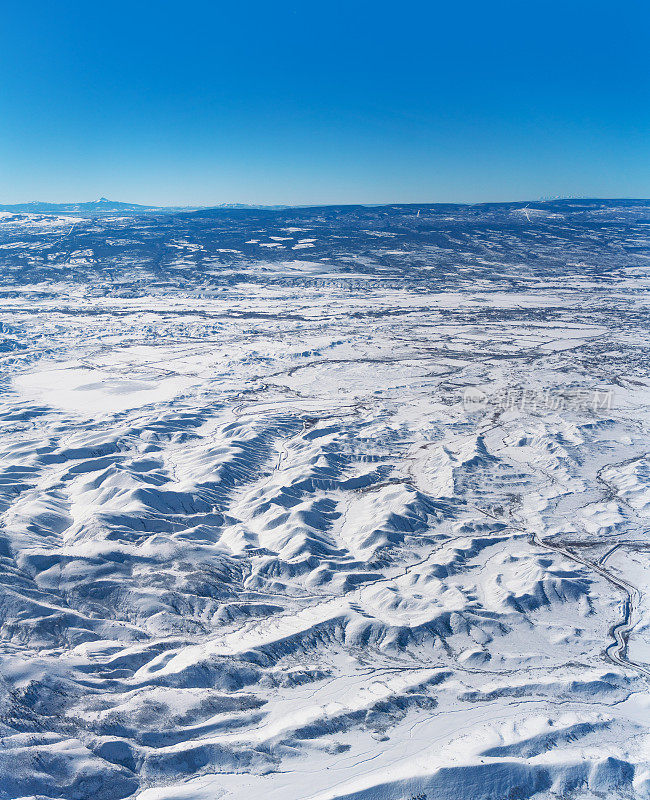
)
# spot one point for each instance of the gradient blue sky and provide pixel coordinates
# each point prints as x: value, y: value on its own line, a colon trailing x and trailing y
x: 321, y: 102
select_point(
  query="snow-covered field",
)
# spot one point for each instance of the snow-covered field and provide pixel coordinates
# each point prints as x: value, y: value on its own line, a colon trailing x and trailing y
x: 326, y: 504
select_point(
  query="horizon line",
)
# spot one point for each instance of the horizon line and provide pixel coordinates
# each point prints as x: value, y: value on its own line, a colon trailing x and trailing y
x: 234, y: 205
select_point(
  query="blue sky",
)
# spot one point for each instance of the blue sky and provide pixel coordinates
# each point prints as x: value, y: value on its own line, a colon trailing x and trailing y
x: 323, y: 102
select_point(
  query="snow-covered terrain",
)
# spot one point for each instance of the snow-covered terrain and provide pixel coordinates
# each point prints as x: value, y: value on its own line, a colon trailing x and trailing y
x: 326, y: 504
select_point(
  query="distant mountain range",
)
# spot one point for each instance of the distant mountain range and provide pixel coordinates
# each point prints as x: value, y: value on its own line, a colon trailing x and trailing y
x: 106, y: 206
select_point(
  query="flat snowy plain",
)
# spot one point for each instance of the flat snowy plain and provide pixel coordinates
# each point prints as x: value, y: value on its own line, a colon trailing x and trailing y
x: 334, y: 503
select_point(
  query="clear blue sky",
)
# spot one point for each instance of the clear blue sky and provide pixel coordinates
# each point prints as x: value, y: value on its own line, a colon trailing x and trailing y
x: 321, y: 102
